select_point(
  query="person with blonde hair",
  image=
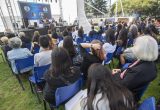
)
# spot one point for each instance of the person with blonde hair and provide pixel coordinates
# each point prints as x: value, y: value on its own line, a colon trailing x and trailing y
x: 141, y: 72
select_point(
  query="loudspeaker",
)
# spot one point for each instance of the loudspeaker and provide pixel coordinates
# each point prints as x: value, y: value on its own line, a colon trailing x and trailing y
x: 25, y: 22
x: 35, y: 24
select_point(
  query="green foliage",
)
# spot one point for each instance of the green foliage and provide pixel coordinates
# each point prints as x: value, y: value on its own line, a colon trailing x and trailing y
x: 99, y: 4
x: 143, y: 7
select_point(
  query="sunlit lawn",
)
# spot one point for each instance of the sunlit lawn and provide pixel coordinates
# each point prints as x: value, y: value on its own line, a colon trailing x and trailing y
x: 13, y: 98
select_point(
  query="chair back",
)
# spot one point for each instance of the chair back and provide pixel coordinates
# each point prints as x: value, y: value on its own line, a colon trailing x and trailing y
x: 63, y: 94
x: 28, y: 46
x: 108, y: 59
x: 36, y: 49
x: 148, y: 104
x: 119, y: 51
x: 79, y: 40
x: 40, y: 71
x: 138, y: 93
x: 24, y: 63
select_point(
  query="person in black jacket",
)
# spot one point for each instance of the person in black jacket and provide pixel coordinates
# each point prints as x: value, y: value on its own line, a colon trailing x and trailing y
x: 60, y: 74
x: 143, y: 70
x: 96, y: 55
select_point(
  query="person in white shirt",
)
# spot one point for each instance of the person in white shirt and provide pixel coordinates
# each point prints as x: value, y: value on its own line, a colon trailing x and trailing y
x: 110, y: 45
x: 44, y: 57
x: 103, y: 93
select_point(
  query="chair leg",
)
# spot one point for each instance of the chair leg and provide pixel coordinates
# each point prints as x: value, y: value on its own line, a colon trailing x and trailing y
x: 113, y: 63
x: 3, y: 58
x: 35, y: 89
x: 30, y: 83
x: 44, y: 103
x: 20, y: 82
x: 109, y: 65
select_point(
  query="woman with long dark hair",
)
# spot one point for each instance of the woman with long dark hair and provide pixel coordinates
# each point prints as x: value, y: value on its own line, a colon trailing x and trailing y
x: 110, y: 45
x: 103, y: 93
x: 68, y: 45
x: 60, y: 74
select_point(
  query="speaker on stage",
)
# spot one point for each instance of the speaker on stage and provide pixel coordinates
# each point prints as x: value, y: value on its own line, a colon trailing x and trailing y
x: 25, y: 22
x: 35, y: 24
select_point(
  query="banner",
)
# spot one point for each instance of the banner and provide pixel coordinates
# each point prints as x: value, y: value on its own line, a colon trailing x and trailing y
x: 34, y: 11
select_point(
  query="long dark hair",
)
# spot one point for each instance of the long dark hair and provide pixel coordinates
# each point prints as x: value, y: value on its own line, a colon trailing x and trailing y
x: 68, y: 45
x: 61, y: 62
x: 110, y: 38
x: 101, y: 81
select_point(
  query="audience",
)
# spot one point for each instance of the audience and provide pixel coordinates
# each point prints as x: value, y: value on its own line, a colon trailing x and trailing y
x: 17, y: 52
x: 62, y: 73
x: 143, y: 70
x: 44, y: 56
x: 35, y: 41
x: 103, y: 93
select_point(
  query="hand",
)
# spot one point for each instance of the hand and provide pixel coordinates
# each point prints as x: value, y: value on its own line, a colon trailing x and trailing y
x: 114, y: 71
x: 96, y: 46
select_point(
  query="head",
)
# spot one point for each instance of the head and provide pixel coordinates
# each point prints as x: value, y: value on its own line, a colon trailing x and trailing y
x: 44, y: 41
x: 36, y: 33
x: 61, y: 61
x: 68, y: 45
x: 4, y: 40
x: 100, y: 80
x: 15, y: 42
x: 36, y: 37
x: 54, y: 35
x: 49, y: 32
x: 21, y: 34
x: 99, y: 53
x: 134, y: 30
x: 145, y: 48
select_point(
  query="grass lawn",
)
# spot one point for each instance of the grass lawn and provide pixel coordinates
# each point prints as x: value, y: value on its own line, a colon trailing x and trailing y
x: 13, y: 98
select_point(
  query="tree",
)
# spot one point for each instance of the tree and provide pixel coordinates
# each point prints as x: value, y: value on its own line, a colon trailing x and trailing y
x: 88, y: 9
x: 100, y: 5
x: 142, y: 7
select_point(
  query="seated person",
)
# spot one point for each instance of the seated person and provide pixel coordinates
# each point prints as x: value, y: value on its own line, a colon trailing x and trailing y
x: 5, y: 47
x: 35, y: 41
x: 104, y: 93
x: 68, y: 45
x: 97, y: 55
x: 44, y: 56
x: 110, y: 45
x: 141, y: 72
x: 17, y: 52
x: 60, y: 74
x: 25, y: 40
x: 92, y: 32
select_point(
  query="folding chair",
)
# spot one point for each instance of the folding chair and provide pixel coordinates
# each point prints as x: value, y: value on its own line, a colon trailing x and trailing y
x: 37, y: 78
x: 148, y: 104
x: 28, y: 46
x: 1, y: 54
x: 108, y: 60
x: 138, y: 92
x: 22, y: 64
x: 63, y: 94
